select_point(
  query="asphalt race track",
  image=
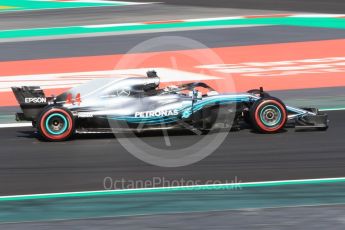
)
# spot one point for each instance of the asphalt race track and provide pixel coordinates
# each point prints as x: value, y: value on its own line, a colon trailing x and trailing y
x: 168, y: 10
x: 331, y: 6
x: 29, y: 165
x: 120, y: 44
x: 33, y: 166
x: 124, y: 14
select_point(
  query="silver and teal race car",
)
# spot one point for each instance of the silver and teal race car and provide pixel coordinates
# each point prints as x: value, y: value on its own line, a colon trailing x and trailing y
x: 138, y: 104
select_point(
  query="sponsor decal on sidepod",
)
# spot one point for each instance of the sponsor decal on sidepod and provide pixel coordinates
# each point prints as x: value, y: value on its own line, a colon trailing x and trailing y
x: 160, y: 113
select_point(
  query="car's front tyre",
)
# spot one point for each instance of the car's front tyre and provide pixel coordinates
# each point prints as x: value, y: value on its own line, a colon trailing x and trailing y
x: 55, y: 124
x: 268, y: 115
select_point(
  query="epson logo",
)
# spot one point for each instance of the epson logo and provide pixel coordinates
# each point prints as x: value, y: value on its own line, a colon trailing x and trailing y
x: 161, y: 113
x: 35, y: 100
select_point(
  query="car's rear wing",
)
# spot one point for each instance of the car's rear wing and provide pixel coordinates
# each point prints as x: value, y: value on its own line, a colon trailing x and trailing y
x: 31, y: 100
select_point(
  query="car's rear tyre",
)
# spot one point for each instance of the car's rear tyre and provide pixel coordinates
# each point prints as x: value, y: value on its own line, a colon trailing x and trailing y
x: 268, y: 115
x: 56, y: 124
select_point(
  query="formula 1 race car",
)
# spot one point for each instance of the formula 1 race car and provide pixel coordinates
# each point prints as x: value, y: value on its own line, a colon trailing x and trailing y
x: 126, y: 104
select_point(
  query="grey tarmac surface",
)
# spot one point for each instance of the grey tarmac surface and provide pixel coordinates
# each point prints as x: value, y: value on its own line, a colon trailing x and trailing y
x: 318, y: 6
x: 166, y: 10
x: 31, y: 166
x: 111, y: 15
x: 308, y: 218
x: 120, y: 44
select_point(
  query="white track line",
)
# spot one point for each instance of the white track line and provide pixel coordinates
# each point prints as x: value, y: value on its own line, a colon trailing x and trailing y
x: 116, y: 2
x: 218, y: 19
x: 209, y: 186
x: 105, y: 1
x: 113, y: 25
x: 332, y: 109
x: 14, y: 125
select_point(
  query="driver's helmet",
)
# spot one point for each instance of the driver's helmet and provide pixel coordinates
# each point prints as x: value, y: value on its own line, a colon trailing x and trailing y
x: 153, y: 80
x: 151, y: 74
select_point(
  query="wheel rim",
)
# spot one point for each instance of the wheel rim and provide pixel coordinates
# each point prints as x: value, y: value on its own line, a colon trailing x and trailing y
x: 271, y: 116
x: 56, y: 124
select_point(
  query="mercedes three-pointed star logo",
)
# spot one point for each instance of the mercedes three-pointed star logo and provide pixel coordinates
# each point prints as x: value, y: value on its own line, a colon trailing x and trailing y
x: 123, y: 92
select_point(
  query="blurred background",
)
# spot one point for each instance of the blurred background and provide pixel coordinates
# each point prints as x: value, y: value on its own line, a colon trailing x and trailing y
x: 294, y: 49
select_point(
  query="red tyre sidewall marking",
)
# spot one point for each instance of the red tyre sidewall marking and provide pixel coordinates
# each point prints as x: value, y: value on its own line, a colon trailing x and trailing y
x: 61, y: 136
x: 257, y: 117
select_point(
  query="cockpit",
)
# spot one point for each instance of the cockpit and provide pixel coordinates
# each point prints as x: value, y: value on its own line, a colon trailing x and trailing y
x: 134, y: 87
